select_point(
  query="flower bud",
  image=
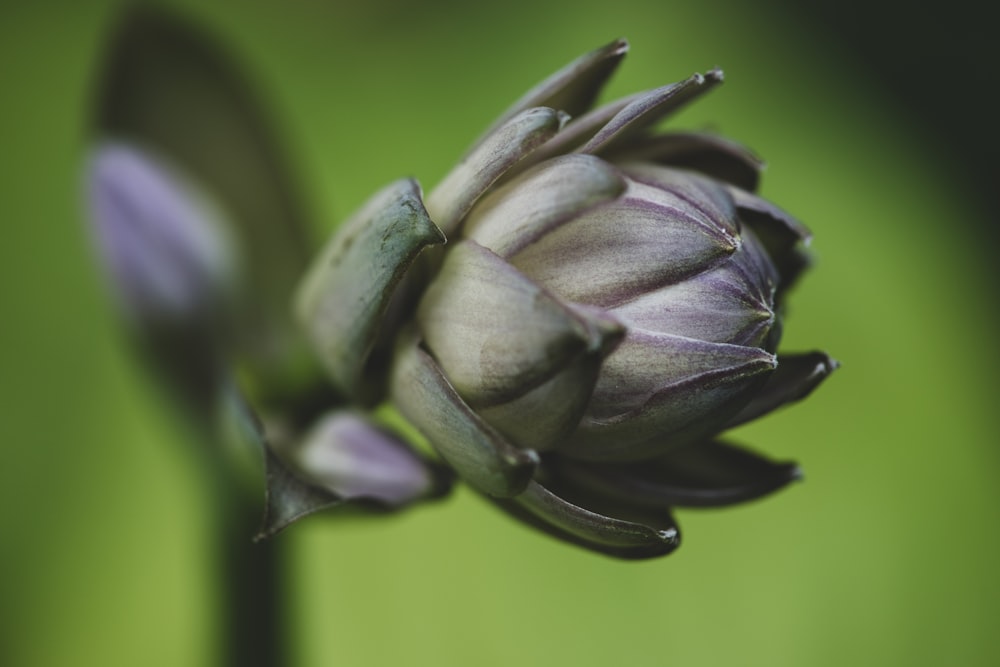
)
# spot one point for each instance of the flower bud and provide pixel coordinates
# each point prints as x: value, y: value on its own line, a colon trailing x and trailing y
x: 608, y: 302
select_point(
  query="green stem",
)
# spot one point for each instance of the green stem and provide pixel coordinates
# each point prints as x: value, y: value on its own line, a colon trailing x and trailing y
x: 252, y: 598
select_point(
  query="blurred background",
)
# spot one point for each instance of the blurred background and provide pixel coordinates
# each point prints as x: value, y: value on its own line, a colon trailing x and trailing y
x: 877, y: 134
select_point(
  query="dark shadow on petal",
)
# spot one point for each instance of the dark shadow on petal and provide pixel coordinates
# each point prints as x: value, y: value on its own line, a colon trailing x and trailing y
x: 708, y: 154
x: 796, y: 376
x: 705, y: 474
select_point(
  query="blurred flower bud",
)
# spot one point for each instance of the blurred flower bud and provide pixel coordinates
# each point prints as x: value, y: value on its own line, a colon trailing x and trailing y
x: 170, y: 256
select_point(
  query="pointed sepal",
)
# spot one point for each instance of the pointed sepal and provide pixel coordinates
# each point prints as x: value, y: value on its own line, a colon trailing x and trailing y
x: 649, y: 109
x: 574, y: 88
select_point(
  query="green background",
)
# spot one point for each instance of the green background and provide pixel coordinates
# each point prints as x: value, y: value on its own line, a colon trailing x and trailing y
x: 885, y: 555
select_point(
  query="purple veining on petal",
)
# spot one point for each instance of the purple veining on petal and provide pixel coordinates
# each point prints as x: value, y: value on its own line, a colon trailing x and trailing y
x: 647, y: 363
x: 614, y: 252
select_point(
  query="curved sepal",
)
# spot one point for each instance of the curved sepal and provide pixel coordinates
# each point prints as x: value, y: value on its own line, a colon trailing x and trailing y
x: 796, y: 376
x: 648, y: 535
x: 488, y: 161
x: 480, y: 455
x: 346, y: 292
x: 574, y: 88
x: 345, y: 459
x: 702, y: 474
x: 649, y: 109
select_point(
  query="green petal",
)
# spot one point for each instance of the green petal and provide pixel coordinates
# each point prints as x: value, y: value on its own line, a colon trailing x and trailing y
x: 489, y: 160
x: 574, y: 88
x: 547, y: 414
x: 495, y: 333
x: 514, y: 216
x: 480, y: 455
x: 344, y: 296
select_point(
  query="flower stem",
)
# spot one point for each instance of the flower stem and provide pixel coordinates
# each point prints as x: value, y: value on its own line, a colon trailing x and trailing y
x: 252, y: 599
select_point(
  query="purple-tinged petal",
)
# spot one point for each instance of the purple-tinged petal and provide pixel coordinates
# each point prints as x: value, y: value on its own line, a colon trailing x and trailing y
x: 344, y: 460
x: 343, y: 298
x: 648, y: 536
x: 767, y: 219
x: 700, y: 193
x: 645, y: 239
x: 709, y: 154
x: 646, y: 364
x: 701, y: 474
x: 475, y: 450
x: 649, y: 110
x: 656, y: 392
x: 796, y: 376
x: 784, y: 236
x: 731, y: 303
x: 514, y: 216
x: 346, y: 454
x: 488, y: 161
x: 574, y: 88
x: 496, y: 334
